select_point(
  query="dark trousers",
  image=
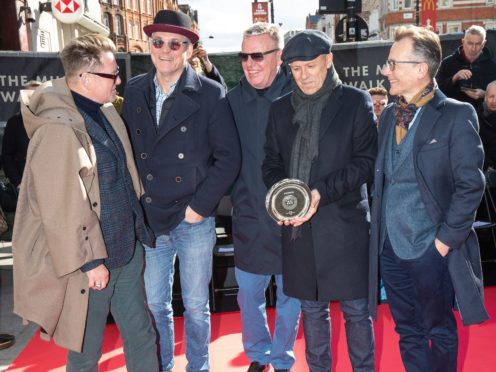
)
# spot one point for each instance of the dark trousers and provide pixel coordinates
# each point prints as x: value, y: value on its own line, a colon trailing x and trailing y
x: 124, y: 296
x: 359, y: 334
x: 420, y: 297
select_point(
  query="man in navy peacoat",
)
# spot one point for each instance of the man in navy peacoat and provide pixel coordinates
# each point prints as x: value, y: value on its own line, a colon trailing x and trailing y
x: 428, y: 185
x: 187, y: 151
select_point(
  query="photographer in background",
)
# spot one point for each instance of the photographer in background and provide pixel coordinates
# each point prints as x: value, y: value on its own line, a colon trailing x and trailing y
x: 465, y: 74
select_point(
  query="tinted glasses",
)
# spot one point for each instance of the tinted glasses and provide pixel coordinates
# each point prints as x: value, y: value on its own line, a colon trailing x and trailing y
x: 113, y: 76
x: 172, y: 44
x: 257, y: 57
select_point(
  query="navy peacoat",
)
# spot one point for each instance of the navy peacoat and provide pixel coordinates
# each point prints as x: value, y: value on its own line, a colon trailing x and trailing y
x: 192, y: 157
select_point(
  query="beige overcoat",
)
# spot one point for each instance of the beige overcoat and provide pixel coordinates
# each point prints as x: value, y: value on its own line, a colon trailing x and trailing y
x: 57, y: 229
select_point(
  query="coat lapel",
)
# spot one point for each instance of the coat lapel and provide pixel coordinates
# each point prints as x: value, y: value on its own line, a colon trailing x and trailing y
x: 330, y: 110
x: 183, y: 106
x: 427, y: 121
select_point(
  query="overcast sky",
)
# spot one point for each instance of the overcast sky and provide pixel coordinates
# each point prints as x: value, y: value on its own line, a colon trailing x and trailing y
x: 225, y: 20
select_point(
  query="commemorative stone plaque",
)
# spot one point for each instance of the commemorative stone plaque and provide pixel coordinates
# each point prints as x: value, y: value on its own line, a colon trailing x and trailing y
x: 288, y: 199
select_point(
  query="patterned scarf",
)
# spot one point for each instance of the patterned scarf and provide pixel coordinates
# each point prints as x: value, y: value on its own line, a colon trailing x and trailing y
x: 404, y: 112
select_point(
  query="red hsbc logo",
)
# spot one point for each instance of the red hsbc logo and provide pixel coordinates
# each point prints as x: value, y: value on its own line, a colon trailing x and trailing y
x: 67, y: 6
x: 68, y: 11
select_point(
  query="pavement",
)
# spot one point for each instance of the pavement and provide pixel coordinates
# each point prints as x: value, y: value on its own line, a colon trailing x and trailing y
x: 9, y: 322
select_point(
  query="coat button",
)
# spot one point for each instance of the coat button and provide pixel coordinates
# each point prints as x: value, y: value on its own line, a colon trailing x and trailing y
x: 148, y: 200
x: 95, y: 204
x: 149, y: 177
x: 138, y: 131
x: 183, y: 129
x: 144, y: 155
x: 83, y: 291
x: 178, y: 179
x: 180, y: 155
x: 138, y: 109
x: 86, y: 238
x: 84, y: 227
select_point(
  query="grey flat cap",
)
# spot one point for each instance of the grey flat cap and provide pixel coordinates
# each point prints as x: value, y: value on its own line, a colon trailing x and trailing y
x: 305, y: 46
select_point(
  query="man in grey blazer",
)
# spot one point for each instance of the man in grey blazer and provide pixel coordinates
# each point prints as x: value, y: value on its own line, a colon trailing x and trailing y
x: 428, y: 185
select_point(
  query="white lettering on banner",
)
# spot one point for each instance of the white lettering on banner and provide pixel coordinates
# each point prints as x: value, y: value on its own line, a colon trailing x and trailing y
x: 8, y: 96
x: 379, y: 69
x: 356, y: 71
x: 21, y: 80
x: 366, y: 84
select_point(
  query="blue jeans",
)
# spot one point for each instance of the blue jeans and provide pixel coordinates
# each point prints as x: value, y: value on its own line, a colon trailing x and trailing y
x: 359, y: 334
x: 125, y: 298
x: 193, y: 244
x: 420, y: 296
x: 257, y: 342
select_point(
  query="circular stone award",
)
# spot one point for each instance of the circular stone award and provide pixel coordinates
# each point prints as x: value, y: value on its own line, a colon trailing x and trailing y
x: 288, y: 199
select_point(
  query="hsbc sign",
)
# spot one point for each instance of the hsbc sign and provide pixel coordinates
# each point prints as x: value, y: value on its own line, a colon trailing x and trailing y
x: 68, y: 11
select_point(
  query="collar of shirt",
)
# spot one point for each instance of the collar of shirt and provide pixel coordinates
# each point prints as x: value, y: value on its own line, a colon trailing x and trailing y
x: 160, y: 96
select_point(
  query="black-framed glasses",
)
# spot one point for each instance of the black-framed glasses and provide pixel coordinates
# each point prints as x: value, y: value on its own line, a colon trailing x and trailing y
x: 257, y: 56
x: 113, y: 76
x: 391, y: 63
x: 172, y: 44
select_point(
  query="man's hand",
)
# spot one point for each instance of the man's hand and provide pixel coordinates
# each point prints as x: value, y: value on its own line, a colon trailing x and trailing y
x: 314, y: 205
x: 98, y: 277
x: 475, y: 93
x: 442, y: 248
x: 462, y: 75
x: 190, y: 216
x: 201, y: 53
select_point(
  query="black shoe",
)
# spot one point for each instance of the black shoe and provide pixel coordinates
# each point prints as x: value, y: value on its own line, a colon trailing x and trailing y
x: 257, y: 367
x: 6, y: 341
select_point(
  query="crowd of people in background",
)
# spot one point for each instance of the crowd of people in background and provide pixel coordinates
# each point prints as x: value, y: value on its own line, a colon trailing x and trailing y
x: 101, y: 221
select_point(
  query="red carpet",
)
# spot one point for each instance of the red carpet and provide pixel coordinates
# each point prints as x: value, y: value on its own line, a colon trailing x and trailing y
x: 476, y: 351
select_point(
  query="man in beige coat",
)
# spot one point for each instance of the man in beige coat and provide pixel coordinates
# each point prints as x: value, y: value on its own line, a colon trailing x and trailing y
x: 78, y: 218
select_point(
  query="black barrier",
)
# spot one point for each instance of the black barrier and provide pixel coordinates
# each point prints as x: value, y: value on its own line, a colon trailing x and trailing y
x: 358, y: 64
x: 17, y: 68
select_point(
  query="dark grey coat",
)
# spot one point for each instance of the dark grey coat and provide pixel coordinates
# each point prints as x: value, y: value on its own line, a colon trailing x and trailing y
x: 257, y: 238
x: 330, y: 259
x: 448, y: 158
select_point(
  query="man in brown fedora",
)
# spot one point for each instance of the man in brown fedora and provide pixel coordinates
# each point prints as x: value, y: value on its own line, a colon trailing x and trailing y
x: 187, y: 152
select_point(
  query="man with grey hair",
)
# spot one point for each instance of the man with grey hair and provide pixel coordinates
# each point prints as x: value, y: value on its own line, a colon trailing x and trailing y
x: 487, y: 122
x: 324, y: 134
x: 257, y: 238
x: 465, y: 74
x: 77, y: 254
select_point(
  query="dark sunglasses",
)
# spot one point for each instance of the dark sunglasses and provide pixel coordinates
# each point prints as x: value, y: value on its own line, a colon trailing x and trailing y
x: 172, y: 44
x: 257, y: 57
x: 104, y: 75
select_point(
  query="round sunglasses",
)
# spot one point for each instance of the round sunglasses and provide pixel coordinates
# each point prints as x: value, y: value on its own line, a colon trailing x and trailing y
x: 172, y: 44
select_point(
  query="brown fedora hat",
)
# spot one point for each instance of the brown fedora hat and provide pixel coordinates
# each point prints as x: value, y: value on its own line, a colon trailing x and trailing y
x: 172, y: 21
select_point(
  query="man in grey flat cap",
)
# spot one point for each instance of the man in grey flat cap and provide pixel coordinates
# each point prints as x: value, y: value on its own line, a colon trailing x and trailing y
x: 323, y: 134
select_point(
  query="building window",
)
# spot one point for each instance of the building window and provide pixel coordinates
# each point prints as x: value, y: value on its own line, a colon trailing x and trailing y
x: 116, y: 2
x: 129, y: 4
x: 143, y: 9
x: 118, y: 25
x: 130, y: 29
x: 407, y: 4
x: 137, y: 31
x: 149, y: 6
x: 453, y: 27
x: 135, y: 5
x: 106, y: 20
x: 395, y: 4
x: 444, y: 3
